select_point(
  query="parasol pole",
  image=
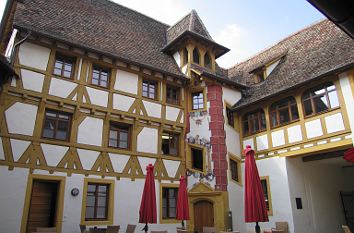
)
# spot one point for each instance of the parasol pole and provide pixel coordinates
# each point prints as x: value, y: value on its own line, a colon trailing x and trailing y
x: 146, y: 228
x: 257, y: 228
x: 182, y: 224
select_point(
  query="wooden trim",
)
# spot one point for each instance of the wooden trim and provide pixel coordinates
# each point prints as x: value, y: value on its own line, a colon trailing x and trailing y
x: 238, y: 162
x: 162, y: 220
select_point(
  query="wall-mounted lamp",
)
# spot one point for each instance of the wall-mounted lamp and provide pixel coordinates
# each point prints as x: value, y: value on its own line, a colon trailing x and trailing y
x: 75, y: 192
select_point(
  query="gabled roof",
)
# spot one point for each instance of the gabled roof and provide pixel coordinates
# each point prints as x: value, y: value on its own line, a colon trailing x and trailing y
x: 314, y: 52
x: 191, y: 26
x: 101, y: 26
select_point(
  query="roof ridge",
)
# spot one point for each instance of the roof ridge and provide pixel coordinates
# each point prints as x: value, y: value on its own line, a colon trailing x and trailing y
x: 191, y: 20
x: 280, y: 41
x: 201, y: 22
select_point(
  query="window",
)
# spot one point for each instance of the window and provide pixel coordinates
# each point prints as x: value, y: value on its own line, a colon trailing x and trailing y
x: 195, y: 56
x: 64, y: 66
x: 230, y: 117
x: 100, y: 76
x: 283, y: 112
x: 254, y: 122
x: 169, y: 202
x: 56, y: 125
x: 259, y: 76
x: 197, y: 158
x: 170, y: 143
x: 172, y: 94
x: 149, y: 89
x: 266, y: 192
x: 198, y: 100
x: 119, y: 135
x: 320, y: 99
x: 97, y: 197
x: 235, y: 170
x: 185, y: 56
x: 207, y: 60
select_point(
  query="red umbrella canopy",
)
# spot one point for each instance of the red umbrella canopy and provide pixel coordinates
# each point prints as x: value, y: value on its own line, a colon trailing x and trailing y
x: 182, y: 211
x: 147, y: 212
x: 349, y: 155
x: 255, y: 206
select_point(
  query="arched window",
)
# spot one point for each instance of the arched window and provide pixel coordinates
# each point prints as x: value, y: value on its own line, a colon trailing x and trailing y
x: 320, y: 99
x: 254, y: 122
x: 195, y: 56
x: 185, y: 56
x: 283, y: 111
x: 207, y: 60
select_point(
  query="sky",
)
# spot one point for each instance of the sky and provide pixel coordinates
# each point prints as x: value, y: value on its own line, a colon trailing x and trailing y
x: 245, y: 27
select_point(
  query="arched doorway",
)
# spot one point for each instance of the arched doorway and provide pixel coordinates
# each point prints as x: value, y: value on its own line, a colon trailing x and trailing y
x: 203, y: 215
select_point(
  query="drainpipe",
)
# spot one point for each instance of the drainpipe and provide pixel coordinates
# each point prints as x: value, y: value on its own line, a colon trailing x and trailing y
x: 11, y: 46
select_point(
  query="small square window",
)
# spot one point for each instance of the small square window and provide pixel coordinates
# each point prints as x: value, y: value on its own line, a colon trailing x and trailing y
x: 230, y: 117
x: 197, y: 100
x: 172, y: 95
x: 149, y: 89
x: 64, y: 66
x: 119, y: 136
x: 197, y: 159
x: 100, y: 76
x: 235, y: 170
x: 170, y: 143
x: 56, y: 125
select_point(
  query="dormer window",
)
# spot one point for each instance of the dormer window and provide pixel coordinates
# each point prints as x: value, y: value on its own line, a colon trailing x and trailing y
x: 259, y: 76
x: 207, y: 61
x: 195, y: 56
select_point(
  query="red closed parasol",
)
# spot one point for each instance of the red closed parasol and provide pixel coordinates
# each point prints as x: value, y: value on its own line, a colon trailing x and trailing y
x: 182, y: 211
x: 349, y: 155
x: 147, y: 211
x: 255, y: 206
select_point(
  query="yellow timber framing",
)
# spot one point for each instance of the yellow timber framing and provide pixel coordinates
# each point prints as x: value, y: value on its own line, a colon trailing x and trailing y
x: 60, y: 199
x: 162, y: 220
x: 80, y: 110
x: 110, y: 206
x: 301, y: 121
x: 238, y: 162
x: 270, y: 211
x: 219, y: 199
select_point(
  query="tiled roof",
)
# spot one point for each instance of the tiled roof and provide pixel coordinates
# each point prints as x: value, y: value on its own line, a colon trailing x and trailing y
x: 306, y: 55
x: 102, y: 26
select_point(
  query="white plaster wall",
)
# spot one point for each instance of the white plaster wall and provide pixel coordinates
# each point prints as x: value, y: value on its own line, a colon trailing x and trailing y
x: 18, y: 147
x: 15, y: 116
x: 61, y: 88
x: 172, y: 113
x: 262, y: 142
x: 171, y: 167
x: 98, y: 97
x: 12, y: 182
x: 32, y: 80
x: 278, y: 138
x: 275, y: 168
x: 152, y: 109
x: 87, y: 158
x: 90, y: 131
x: 313, y: 128
x: 122, y: 102
x: 202, y: 130
x: 144, y: 162
x: 348, y: 99
x: 147, y: 140
x: 53, y: 154
x: 318, y: 184
x: 118, y: 161
x: 127, y: 82
x: 34, y: 55
x: 334, y: 123
x: 177, y: 58
x: 294, y: 133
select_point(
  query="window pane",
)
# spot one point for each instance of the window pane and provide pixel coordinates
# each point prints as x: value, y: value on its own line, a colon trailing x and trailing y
x: 245, y: 127
x: 101, y: 212
x: 308, y: 107
x: 63, y: 128
x: 263, y: 121
x: 320, y: 103
x: 67, y: 74
x: 102, y: 188
x: 273, y: 118
x: 123, y: 144
x: 197, y: 159
x: 68, y: 67
x: 90, y: 212
x: 284, y: 116
x: 103, y: 83
x: 333, y: 99
x: 57, y: 71
x: 113, y: 134
x: 123, y: 136
x: 164, y: 212
x: 94, y: 81
x: 320, y: 91
x: 91, y: 188
x: 294, y: 112
x: 102, y: 201
x: 49, y: 127
x: 90, y: 200
x: 172, y: 213
x: 330, y: 88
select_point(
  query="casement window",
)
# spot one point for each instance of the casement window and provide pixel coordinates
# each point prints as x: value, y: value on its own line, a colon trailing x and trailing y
x: 149, y: 89
x: 283, y: 112
x: 169, y: 202
x: 100, y: 76
x: 197, y: 159
x: 170, y: 143
x: 172, y: 95
x: 230, y: 117
x: 207, y: 61
x: 266, y: 191
x: 254, y: 122
x: 56, y: 125
x: 119, y: 135
x: 196, y: 56
x: 197, y: 100
x: 320, y: 99
x: 235, y: 167
x: 64, y: 66
x: 97, y: 197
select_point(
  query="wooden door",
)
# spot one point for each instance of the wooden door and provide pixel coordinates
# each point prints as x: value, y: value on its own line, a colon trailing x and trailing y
x: 203, y: 215
x: 43, y: 205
